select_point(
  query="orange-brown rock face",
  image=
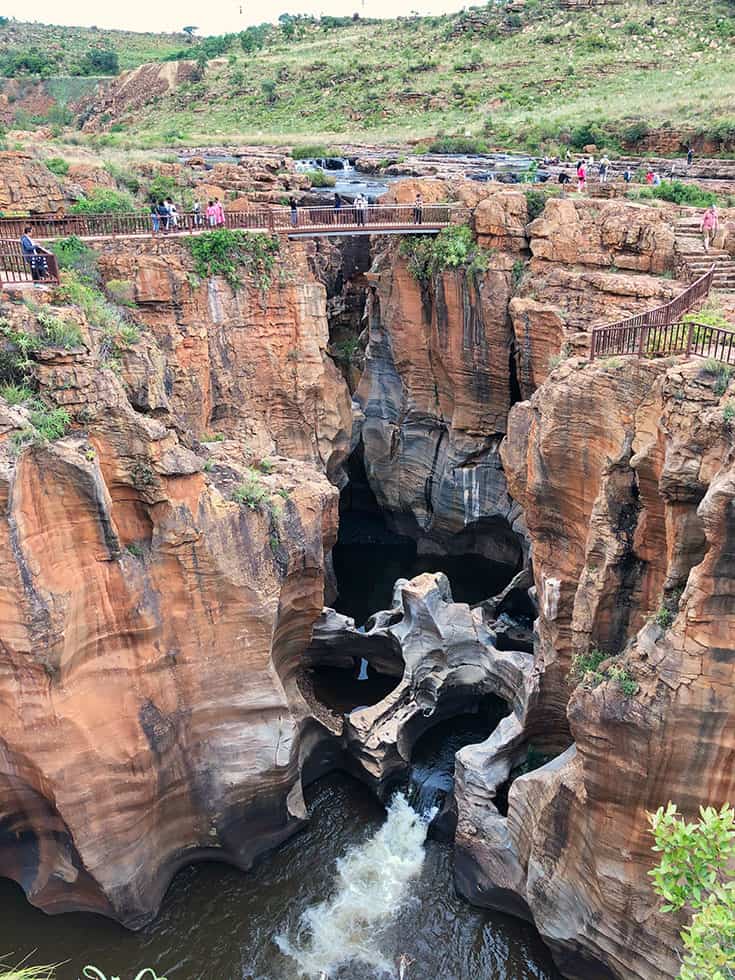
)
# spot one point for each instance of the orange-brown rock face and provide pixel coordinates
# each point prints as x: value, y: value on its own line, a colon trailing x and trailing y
x: 250, y: 363
x: 153, y: 611
x: 626, y: 475
x: 435, y: 394
x: 27, y: 185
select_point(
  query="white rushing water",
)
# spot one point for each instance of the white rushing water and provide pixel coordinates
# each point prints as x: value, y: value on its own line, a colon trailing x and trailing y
x: 372, y: 885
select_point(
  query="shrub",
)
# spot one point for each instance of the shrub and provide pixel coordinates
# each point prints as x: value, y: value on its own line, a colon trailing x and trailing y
x: 588, y: 663
x: 452, y: 248
x: 680, y: 193
x: 98, y: 62
x: 695, y: 875
x: 58, y: 166
x: 56, y: 332
x: 311, y: 151
x: 635, y: 132
x: 46, y: 425
x: 519, y: 267
x: 16, y: 350
x: 161, y: 187
x: 319, y: 179
x: 728, y: 412
x: 457, y: 144
x: 72, y: 253
x: 104, y: 200
x: 121, y: 291
x: 664, y: 617
x: 225, y: 252
x: 536, y: 200
x: 721, y: 373
x: 15, y: 394
x: 251, y: 491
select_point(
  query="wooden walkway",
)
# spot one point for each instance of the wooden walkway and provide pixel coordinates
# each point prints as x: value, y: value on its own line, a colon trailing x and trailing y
x: 661, y: 331
x: 379, y: 219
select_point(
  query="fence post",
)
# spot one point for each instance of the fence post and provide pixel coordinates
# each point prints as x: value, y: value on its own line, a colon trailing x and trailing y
x: 690, y: 337
x: 643, y: 331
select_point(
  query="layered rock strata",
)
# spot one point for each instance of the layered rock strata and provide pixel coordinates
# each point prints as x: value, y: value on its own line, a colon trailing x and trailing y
x: 625, y: 472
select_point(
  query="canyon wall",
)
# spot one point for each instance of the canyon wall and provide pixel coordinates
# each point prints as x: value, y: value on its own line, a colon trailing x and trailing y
x: 158, y: 590
x: 625, y: 472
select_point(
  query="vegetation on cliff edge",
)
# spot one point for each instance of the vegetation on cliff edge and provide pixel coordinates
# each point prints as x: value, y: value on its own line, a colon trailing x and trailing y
x: 695, y: 875
x: 452, y: 248
x: 229, y: 253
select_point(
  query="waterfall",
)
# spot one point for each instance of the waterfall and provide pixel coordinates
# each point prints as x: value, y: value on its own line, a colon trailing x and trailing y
x: 373, y: 881
x: 427, y: 787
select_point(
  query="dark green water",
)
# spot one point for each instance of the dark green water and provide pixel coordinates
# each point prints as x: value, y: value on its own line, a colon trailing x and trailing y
x: 219, y: 924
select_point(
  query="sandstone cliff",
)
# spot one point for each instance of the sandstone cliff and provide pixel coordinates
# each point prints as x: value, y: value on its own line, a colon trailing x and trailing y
x: 159, y: 592
x: 625, y: 472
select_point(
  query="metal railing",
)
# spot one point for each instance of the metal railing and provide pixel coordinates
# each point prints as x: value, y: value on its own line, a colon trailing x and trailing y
x: 636, y: 334
x: 306, y: 220
x: 17, y: 267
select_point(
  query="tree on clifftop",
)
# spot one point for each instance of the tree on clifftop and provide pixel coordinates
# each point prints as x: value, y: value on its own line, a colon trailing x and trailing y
x: 189, y: 31
x: 696, y: 874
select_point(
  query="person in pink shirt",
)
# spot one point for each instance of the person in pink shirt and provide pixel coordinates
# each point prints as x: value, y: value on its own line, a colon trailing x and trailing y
x: 211, y: 214
x: 581, y: 178
x: 219, y: 212
x: 710, y: 224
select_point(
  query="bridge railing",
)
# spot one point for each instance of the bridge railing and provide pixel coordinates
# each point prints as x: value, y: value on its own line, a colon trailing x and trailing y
x: 276, y: 219
x: 636, y: 334
x: 16, y: 267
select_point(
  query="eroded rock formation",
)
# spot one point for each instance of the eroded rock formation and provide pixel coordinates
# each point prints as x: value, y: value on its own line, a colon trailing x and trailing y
x: 625, y: 472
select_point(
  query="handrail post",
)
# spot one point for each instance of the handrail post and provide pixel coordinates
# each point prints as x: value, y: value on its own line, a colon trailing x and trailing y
x: 690, y: 338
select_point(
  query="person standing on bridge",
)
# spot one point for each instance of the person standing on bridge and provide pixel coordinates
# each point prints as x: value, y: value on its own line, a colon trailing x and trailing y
x: 219, y: 213
x: 33, y: 255
x: 163, y: 215
x: 156, y: 221
x: 418, y: 210
x: 360, y: 209
x: 710, y: 224
x: 294, y: 211
x: 211, y: 214
x: 197, y: 214
x: 337, y: 207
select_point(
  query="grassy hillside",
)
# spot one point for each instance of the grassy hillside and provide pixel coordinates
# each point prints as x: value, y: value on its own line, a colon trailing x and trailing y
x: 65, y: 47
x: 528, y: 77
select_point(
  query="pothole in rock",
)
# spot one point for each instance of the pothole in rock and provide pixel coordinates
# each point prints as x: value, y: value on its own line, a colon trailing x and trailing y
x: 347, y: 689
x: 369, y: 556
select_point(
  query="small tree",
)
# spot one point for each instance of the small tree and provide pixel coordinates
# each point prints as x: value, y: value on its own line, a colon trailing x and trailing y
x: 696, y: 875
x: 189, y: 31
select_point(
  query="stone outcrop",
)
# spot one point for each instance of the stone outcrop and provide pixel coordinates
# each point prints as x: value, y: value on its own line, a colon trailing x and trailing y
x: 626, y: 477
x: 435, y: 394
x: 27, y: 185
x: 158, y: 593
x: 249, y: 364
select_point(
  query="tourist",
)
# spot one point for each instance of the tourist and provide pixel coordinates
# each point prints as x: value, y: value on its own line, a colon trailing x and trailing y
x: 337, y: 207
x: 294, y: 211
x: 360, y: 209
x: 690, y: 156
x: 33, y: 254
x: 656, y: 180
x: 211, y: 214
x: 581, y: 178
x: 219, y: 213
x: 710, y: 224
x: 197, y: 214
x: 628, y: 175
x: 418, y: 210
x: 163, y: 216
x: 173, y: 214
x: 564, y: 177
x: 154, y: 218
x: 649, y: 176
x: 604, y: 167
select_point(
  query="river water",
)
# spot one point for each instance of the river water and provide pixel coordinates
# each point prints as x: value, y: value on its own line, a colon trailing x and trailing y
x: 219, y: 924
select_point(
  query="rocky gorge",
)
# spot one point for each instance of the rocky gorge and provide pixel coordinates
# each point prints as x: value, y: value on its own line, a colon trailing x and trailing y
x: 167, y: 562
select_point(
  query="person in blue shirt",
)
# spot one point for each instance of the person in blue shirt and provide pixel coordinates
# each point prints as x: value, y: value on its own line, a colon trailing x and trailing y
x: 33, y: 255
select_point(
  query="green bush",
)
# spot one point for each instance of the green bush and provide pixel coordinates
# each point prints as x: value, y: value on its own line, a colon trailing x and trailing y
x: 73, y: 254
x: 536, y: 200
x: 15, y: 394
x: 588, y: 663
x: 16, y: 350
x: 695, y: 876
x: 161, y: 187
x: 58, y: 166
x: 319, y: 179
x: 251, y: 491
x: 104, y: 200
x: 225, y: 253
x: 679, y: 193
x: 313, y: 151
x: 99, y: 62
x: 56, y: 332
x: 50, y: 423
x: 453, y: 248
x: 457, y: 144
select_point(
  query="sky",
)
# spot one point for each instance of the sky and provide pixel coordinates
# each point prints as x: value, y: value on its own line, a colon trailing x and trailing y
x: 214, y: 17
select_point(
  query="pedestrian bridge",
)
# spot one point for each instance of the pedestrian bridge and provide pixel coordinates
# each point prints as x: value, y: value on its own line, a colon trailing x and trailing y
x: 376, y: 219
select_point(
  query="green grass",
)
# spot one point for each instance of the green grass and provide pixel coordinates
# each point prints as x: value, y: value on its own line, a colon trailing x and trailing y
x: 537, y: 77
x: 251, y: 492
x: 230, y: 254
x: 15, y: 394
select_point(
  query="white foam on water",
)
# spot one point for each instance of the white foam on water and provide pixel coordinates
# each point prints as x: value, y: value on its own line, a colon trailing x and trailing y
x: 373, y: 883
